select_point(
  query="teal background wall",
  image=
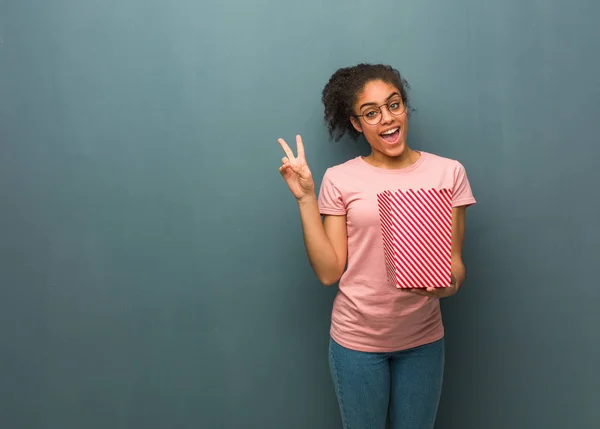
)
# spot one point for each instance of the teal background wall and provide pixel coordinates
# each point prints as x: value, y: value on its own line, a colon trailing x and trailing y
x: 152, y: 270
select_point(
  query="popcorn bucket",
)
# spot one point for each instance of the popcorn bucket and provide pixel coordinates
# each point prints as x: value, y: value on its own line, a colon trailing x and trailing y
x: 416, y: 228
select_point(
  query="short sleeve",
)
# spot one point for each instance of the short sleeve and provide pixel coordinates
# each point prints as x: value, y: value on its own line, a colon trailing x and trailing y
x: 462, y: 194
x: 330, y: 199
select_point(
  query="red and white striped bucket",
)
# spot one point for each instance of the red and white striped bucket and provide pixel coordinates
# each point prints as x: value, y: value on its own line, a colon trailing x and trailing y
x: 417, y: 236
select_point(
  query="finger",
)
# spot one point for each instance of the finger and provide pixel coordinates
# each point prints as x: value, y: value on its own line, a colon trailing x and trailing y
x: 285, y: 160
x: 418, y: 291
x: 286, y: 149
x: 284, y: 169
x: 300, y: 146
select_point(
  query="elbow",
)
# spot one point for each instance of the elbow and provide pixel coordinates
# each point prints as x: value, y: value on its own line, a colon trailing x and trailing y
x: 329, y: 280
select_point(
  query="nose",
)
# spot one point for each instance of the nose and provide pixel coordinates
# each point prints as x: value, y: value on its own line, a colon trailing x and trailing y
x: 386, y: 116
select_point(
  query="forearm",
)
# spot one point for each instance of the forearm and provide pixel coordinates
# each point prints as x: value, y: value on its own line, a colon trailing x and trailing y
x: 458, y: 269
x: 458, y: 234
x: 321, y: 253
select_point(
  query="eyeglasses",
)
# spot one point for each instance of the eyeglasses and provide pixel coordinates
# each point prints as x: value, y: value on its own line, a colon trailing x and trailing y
x: 372, y: 115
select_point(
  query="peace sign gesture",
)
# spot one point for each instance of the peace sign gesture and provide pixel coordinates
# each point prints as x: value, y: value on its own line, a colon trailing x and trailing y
x: 295, y: 170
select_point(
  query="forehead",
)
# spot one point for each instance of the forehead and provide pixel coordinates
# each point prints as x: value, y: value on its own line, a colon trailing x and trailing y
x: 376, y: 91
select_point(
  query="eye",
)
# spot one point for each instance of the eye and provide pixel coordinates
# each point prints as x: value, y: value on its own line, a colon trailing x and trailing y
x: 395, y: 105
x: 370, y: 113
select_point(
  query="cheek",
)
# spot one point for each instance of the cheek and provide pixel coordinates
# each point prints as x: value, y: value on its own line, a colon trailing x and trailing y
x: 370, y: 133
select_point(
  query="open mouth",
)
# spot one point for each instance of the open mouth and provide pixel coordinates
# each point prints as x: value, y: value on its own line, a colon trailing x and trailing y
x: 391, y: 136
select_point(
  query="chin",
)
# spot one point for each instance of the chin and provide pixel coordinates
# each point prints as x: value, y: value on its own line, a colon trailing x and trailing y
x: 394, y: 151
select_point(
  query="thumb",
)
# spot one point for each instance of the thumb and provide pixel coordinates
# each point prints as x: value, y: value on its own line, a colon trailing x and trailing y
x: 296, y: 168
x: 300, y: 169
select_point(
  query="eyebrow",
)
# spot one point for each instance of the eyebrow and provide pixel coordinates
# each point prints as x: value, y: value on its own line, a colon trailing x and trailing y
x: 375, y: 104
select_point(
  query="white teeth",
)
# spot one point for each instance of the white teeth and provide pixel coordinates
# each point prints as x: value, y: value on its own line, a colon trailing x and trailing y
x: 390, y: 132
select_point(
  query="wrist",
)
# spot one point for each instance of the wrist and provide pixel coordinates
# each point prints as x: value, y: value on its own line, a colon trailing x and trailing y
x: 458, y: 270
x: 308, y: 198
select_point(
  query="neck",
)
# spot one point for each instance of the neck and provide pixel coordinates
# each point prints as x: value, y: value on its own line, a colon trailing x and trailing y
x: 381, y: 160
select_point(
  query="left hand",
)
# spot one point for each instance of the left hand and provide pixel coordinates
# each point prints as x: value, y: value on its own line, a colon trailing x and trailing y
x: 457, y: 278
x: 437, y: 292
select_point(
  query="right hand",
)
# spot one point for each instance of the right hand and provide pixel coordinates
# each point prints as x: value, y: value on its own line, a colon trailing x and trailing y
x: 295, y: 171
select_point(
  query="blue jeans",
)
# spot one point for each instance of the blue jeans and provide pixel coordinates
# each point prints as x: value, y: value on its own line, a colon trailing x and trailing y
x: 406, y: 384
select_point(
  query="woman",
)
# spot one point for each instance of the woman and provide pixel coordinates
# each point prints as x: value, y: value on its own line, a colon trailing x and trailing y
x: 386, y: 351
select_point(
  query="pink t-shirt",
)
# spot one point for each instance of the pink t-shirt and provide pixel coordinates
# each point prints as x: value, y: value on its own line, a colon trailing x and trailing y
x: 369, y: 314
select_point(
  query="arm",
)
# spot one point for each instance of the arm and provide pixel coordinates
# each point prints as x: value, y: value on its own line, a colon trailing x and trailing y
x: 458, y: 235
x: 325, y: 240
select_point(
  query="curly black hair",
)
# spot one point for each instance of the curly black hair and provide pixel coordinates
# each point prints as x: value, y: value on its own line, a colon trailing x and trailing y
x: 343, y: 88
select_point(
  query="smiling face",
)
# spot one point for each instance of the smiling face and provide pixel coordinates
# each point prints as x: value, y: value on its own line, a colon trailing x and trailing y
x: 384, y: 121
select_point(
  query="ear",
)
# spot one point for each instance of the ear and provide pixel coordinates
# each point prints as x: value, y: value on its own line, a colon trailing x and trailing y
x: 356, y: 124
